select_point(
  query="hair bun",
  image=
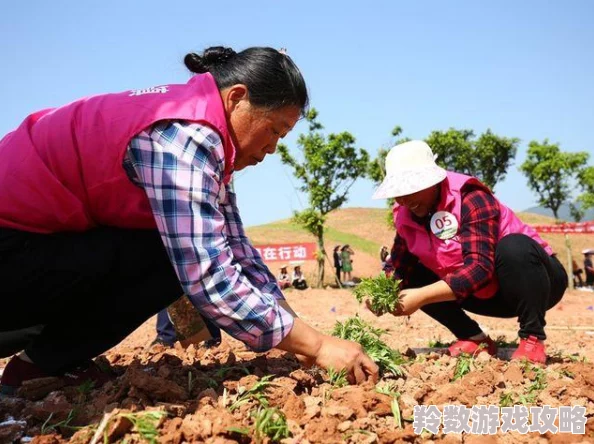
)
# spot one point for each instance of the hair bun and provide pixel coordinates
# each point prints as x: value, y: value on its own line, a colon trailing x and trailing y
x: 214, y: 56
x: 217, y: 55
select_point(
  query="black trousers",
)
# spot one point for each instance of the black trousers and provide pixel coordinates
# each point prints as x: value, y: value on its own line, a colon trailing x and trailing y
x: 530, y: 283
x: 87, y: 290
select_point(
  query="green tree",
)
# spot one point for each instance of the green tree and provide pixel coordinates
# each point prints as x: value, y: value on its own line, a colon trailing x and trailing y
x: 377, y: 169
x: 550, y: 173
x: 586, y: 181
x: 329, y: 168
x: 487, y: 158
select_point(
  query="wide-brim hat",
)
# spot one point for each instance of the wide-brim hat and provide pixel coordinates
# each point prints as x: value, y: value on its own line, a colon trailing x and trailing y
x: 410, y: 167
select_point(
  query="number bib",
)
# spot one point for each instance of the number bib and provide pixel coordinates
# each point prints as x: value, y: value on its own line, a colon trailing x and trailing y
x: 444, y: 225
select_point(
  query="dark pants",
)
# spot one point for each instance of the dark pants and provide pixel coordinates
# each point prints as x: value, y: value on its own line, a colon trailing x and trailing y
x: 166, y: 329
x: 530, y: 283
x: 89, y: 290
x: 337, y: 273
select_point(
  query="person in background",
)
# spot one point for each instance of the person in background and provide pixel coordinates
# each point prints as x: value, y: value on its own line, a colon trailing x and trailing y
x: 118, y: 204
x: 384, y: 256
x: 577, y: 274
x: 284, y: 280
x: 298, y: 280
x: 337, y: 263
x: 458, y: 249
x: 347, y: 263
x: 589, y: 268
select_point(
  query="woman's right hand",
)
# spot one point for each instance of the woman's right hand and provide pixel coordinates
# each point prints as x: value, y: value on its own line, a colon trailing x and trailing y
x: 341, y: 354
x: 315, y: 348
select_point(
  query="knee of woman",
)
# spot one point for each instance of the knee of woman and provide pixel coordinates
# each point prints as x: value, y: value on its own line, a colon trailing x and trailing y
x: 513, y: 247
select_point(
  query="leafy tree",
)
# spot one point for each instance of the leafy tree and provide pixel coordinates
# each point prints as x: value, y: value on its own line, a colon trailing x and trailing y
x: 576, y: 211
x: 377, y: 169
x: 329, y: 168
x: 586, y: 180
x: 550, y: 172
x: 487, y: 158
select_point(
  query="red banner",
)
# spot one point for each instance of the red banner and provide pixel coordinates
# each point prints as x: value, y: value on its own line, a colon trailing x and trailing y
x: 571, y: 228
x: 287, y: 252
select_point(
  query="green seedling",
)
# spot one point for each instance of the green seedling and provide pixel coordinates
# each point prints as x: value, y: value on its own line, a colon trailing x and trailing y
x: 436, y: 343
x: 337, y: 379
x: 396, y: 412
x: 351, y: 433
x: 143, y: 423
x: 382, y: 292
x: 355, y: 329
x: 463, y: 365
x: 572, y: 358
x: 222, y: 372
x: 501, y: 342
x: 506, y: 400
x: 540, y: 381
x: 270, y: 422
x: 47, y: 428
x: 390, y: 390
x: 255, y: 393
x: 239, y: 430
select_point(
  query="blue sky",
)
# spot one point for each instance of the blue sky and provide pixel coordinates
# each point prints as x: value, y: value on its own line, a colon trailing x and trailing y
x: 524, y: 69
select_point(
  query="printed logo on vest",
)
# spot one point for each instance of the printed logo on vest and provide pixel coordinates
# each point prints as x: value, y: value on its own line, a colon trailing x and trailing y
x: 444, y: 225
x: 152, y: 90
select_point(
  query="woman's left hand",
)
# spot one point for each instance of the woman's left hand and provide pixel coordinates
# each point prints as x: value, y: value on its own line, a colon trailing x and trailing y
x: 410, y: 301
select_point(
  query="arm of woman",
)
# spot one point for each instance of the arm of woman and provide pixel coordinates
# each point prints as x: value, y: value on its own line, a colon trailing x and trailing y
x: 180, y: 165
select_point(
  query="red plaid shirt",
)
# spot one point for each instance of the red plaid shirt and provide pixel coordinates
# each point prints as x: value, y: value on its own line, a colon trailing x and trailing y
x: 479, y: 226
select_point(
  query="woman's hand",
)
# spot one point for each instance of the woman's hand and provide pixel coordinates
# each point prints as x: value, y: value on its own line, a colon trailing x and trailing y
x: 410, y: 301
x: 341, y: 354
x: 314, y: 348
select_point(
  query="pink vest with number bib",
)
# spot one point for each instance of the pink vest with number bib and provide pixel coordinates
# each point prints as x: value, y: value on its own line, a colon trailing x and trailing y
x: 61, y: 169
x: 440, y: 249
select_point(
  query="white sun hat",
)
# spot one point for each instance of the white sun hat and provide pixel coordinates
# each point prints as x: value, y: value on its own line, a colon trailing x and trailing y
x: 410, y: 167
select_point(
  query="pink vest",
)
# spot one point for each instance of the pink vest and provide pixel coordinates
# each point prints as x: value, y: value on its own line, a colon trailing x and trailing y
x: 61, y: 169
x: 444, y: 256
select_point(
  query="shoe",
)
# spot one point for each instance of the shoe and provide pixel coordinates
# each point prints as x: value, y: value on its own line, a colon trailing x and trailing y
x: 18, y: 371
x: 161, y: 341
x: 532, y: 349
x: 212, y: 343
x: 473, y: 346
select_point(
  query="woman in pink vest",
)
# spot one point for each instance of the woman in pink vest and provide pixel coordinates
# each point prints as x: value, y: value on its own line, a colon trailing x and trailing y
x: 114, y: 206
x: 459, y: 249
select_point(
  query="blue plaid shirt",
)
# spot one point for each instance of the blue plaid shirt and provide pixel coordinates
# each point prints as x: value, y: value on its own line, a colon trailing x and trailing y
x: 180, y: 166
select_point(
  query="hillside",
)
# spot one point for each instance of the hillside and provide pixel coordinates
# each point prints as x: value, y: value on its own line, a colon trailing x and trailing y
x: 366, y: 230
x: 564, y: 212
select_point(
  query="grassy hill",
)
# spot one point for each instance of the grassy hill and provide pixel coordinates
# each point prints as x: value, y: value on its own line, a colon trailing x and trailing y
x: 366, y: 230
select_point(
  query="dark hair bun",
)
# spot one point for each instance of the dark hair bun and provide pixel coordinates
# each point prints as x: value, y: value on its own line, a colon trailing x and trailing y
x: 213, y: 56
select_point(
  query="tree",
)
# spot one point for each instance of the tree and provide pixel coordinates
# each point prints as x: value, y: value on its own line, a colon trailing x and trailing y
x: 487, y: 158
x: 551, y: 171
x: 586, y: 181
x: 329, y: 168
x: 377, y: 169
